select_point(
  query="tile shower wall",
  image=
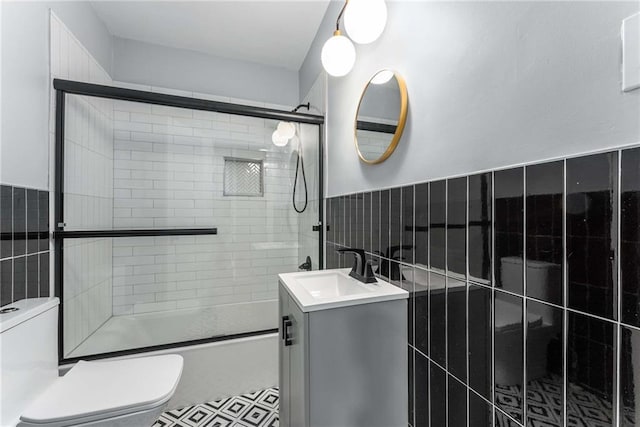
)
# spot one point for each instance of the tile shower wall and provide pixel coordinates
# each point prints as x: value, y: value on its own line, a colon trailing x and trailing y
x: 169, y: 172
x: 88, y: 188
x: 524, y: 284
x: 24, y: 244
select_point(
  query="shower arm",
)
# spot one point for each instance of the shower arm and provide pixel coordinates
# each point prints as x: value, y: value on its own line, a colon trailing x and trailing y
x: 307, y: 106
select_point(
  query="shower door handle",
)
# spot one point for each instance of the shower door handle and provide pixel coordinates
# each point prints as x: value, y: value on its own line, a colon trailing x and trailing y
x: 286, y: 323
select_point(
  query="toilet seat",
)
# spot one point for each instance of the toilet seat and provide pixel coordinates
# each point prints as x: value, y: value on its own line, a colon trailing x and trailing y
x: 100, y: 390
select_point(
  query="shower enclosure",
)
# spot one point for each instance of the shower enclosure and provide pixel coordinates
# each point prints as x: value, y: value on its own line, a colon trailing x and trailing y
x: 173, y: 217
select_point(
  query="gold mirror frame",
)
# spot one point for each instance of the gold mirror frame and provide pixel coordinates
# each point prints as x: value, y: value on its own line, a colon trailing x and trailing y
x: 402, y: 119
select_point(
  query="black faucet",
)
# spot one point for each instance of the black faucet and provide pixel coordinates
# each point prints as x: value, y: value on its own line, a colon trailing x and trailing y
x: 361, y: 269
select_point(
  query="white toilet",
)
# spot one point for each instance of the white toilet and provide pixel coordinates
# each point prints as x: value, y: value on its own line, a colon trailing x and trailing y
x: 129, y: 392
x: 540, y: 325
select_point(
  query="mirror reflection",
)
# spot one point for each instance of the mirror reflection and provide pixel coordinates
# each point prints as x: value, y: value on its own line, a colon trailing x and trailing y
x: 381, y: 116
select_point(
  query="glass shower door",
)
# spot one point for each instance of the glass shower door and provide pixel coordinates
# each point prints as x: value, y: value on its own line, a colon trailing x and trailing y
x: 176, y: 222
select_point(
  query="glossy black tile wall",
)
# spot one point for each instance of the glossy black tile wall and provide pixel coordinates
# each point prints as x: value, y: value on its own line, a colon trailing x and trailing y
x: 438, y: 225
x: 544, y: 366
x: 438, y: 318
x: 629, y: 377
x: 544, y: 202
x: 421, y: 391
x: 508, y: 335
x: 630, y: 237
x: 457, y: 328
x: 592, y: 183
x: 590, y: 370
x: 480, y: 227
x: 395, y: 224
x: 509, y: 229
x: 407, y: 235
x: 524, y: 284
x: 481, y: 340
x: 366, y: 218
x: 420, y: 337
x: 421, y: 224
x: 24, y: 244
x: 456, y: 403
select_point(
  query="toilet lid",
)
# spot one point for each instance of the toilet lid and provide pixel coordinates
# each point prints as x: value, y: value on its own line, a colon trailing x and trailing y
x: 101, y: 389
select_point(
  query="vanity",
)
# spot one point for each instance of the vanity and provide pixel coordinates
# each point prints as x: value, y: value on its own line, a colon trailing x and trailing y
x: 343, y: 351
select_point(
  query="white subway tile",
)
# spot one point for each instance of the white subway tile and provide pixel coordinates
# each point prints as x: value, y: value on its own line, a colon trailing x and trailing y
x: 155, y: 287
x: 176, y: 295
x: 150, y: 118
x: 124, y: 223
x: 151, y: 137
x: 181, y: 204
x: 153, y: 307
x: 132, y: 126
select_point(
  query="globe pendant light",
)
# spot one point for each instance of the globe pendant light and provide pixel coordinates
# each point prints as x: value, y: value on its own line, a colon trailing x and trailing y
x: 338, y: 55
x: 365, y: 20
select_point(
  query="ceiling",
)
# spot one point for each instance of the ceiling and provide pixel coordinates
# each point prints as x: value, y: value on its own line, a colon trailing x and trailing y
x: 276, y: 33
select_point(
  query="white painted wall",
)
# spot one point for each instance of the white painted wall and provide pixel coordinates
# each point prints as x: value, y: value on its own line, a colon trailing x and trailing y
x: 490, y: 84
x: 154, y: 65
x: 24, y: 153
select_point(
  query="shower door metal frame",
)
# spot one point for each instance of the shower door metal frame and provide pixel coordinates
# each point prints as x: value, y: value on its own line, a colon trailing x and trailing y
x: 64, y: 87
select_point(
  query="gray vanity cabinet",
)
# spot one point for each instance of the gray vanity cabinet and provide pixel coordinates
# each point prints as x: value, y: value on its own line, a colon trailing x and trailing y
x: 343, y: 366
x: 292, y: 362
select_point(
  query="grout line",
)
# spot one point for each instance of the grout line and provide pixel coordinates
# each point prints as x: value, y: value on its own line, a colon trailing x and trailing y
x: 509, y: 417
x: 446, y: 298
x: 466, y: 249
x: 565, y: 295
x: 429, y: 232
x: 493, y: 293
x: 428, y: 332
x: 525, y: 305
x: 24, y: 255
x: 617, y: 290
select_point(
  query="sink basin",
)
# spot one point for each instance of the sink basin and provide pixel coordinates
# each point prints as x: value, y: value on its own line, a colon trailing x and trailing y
x: 324, y: 289
x: 331, y: 285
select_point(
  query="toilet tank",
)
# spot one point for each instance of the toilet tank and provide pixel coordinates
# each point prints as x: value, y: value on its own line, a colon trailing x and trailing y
x: 540, y: 275
x: 28, y: 354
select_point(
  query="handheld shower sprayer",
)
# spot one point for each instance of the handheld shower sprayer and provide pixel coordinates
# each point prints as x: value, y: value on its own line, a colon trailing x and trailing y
x: 281, y: 136
x: 300, y: 165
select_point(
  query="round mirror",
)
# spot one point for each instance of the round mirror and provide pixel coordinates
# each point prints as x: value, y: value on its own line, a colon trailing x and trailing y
x: 381, y: 116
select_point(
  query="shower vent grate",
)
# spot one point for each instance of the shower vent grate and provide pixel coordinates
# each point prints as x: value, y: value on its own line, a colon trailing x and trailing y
x: 243, y: 177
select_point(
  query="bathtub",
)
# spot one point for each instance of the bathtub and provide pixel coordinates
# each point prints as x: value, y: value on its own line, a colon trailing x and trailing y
x: 211, y: 370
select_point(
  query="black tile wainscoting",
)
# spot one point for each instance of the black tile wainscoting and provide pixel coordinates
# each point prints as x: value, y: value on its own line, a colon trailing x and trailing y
x: 24, y: 244
x: 524, y: 284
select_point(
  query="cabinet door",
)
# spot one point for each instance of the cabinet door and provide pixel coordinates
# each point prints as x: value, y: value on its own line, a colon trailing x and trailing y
x: 283, y: 355
x: 298, y: 393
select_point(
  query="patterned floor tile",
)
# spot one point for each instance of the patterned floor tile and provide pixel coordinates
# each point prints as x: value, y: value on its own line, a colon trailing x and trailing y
x: 257, y: 409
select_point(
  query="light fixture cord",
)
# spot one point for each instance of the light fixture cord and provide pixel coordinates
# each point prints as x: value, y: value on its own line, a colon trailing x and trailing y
x: 340, y: 15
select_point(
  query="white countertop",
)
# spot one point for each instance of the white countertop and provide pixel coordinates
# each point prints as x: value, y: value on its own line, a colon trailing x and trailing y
x: 365, y: 293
